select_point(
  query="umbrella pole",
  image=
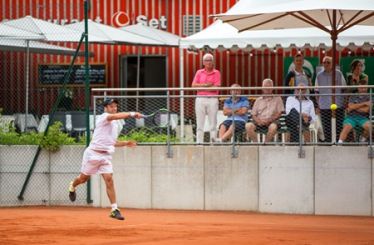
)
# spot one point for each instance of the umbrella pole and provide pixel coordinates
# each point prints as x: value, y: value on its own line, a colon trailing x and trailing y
x: 138, y: 79
x: 334, y: 36
x: 27, y: 81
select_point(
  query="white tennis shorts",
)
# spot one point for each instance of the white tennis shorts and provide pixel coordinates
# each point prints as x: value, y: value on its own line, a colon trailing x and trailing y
x: 96, y: 163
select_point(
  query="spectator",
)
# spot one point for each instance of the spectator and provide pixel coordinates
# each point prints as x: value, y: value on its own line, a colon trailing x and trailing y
x: 207, y: 100
x: 265, y: 113
x: 293, y: 113
x: 358, y: 113
x: 324, y: 98
x: 297, y: 74
x: 356, y: 75
x: 236, y: 109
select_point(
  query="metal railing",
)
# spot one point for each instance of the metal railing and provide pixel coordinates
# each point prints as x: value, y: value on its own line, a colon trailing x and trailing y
x: 181, y: 102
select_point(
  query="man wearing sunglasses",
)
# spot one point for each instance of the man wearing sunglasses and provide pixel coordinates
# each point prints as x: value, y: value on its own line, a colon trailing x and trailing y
x: 324, y: 99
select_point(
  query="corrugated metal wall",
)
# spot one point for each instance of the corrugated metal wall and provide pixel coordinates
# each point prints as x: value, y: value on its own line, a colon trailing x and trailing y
x: 248, y: 68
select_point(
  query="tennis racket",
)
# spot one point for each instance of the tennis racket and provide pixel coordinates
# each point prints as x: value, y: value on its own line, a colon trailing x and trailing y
x: 160, y: 118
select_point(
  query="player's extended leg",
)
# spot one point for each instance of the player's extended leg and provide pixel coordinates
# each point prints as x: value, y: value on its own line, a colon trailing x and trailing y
x: 82, y: 178
x: 115, y: 213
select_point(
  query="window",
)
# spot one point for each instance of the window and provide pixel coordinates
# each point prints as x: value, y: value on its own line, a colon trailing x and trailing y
x: 191, y: 24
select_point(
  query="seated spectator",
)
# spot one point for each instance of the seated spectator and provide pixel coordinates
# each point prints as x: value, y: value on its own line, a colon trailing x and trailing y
x: 358, y: 113
x: 293, y: 113
x: 265, y: 113
x: 236, y: 109
x: 357, y: 74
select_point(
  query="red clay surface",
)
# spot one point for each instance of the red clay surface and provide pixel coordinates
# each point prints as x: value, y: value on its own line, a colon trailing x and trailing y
x: 78, y: 225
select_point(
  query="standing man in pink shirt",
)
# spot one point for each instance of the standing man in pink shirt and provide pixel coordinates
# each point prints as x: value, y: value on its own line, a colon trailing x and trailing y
x: 207, y: 100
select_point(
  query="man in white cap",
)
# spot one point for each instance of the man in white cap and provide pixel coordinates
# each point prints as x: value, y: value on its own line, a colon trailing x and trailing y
x: 97, y: 157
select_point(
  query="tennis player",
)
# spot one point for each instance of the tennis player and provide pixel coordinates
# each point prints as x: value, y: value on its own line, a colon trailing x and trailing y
x: 97, y: 157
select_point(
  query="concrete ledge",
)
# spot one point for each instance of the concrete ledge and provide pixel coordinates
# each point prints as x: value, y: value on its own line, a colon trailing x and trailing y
x: 15, y: 163
x: 286, y: 181
x: 231, y: 183
x: 67, y: 160
x: 343, y: 181
x: 178, y: 182
x: 132, y: 173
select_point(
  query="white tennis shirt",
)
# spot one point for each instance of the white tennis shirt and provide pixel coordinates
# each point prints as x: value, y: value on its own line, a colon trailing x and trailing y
x: 105, y: 134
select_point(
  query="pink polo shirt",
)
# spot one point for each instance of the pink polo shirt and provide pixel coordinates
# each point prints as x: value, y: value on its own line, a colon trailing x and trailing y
x: 202, y: 76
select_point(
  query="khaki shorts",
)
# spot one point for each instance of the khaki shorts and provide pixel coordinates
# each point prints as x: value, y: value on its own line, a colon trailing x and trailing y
x: 96, y: 163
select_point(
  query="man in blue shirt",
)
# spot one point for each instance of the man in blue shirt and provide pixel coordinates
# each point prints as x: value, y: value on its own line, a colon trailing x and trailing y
x: 236, y: 109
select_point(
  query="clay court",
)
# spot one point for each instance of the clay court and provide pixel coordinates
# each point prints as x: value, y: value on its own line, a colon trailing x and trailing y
x: 79, y: 225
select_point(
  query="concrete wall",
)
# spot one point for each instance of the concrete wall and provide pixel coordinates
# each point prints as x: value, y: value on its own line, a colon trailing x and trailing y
x: 286, y: 181
x: 231, y: 183
x: 343, y: 181
x: 329, y: 180
x: 49, y: 181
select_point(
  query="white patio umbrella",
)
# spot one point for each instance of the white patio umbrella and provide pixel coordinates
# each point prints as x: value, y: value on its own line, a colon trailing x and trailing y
x: 134, y: 36
x: 331, y: 16
x: 163, y: 38
x: 41, y: 30
x: 111, y: 34
x: 34, y: 47
x: 10, y: 32
x: 49, y: 31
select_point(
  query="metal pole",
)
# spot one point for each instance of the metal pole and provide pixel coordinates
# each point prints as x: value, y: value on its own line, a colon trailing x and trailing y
x: 169, y: 150
x: 234, y: 152
x: 334, y: 36
x: 301, y: 150
x: 27, y: 81
x: 51, y: 115
x: 87, y: 89
x: 181, y: 86
x: 138, y: 78
x: 371, y: 154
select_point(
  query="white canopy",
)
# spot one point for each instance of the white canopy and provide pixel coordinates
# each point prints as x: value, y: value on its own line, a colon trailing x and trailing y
x: 164, y: 38
x: 34, y: 47
x: 224, y: 35
x: 112, y: 35
x: 15, y: 33
x: 48, y: 31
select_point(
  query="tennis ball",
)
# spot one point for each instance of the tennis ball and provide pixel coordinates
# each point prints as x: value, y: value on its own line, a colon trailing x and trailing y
x: 333, y: 107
